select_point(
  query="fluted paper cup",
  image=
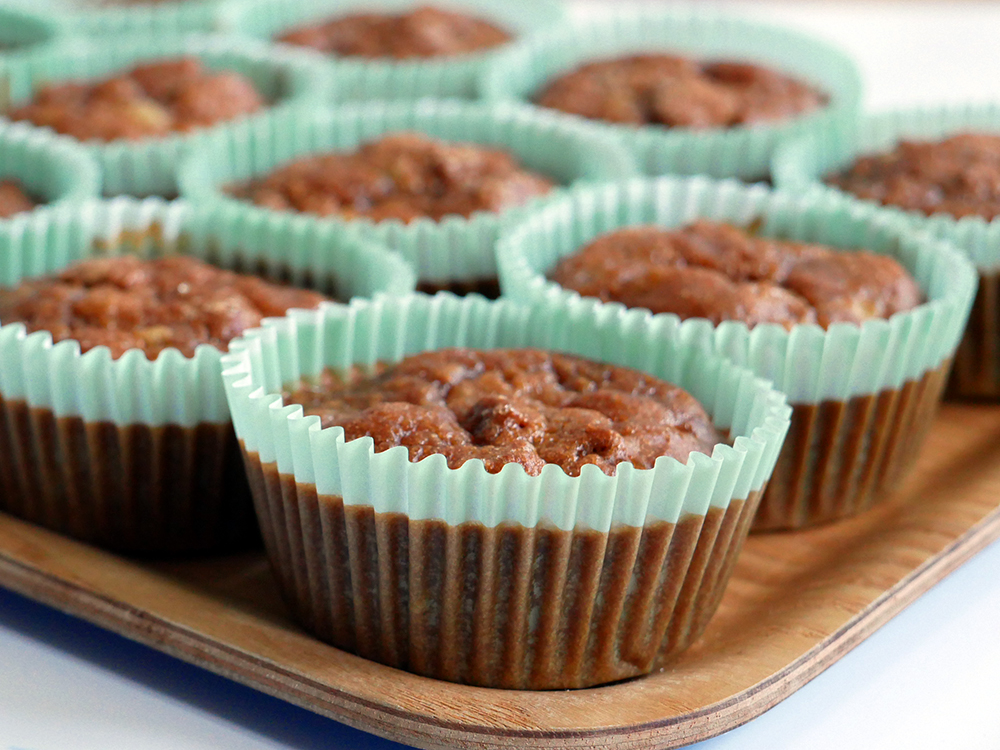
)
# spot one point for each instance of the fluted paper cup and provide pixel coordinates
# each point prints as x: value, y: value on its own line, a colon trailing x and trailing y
x: 503, y: 580
x: 133, y: 454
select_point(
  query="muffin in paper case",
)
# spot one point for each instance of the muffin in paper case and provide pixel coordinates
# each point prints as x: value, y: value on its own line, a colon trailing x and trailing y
x: 148, y: 166
x: 741, y: 151
x: 373, y: 78
x: 502, y: 580
x: 804, y: 162
x: 862, y: 396
x: 454, y: 252
x: 133, y: 454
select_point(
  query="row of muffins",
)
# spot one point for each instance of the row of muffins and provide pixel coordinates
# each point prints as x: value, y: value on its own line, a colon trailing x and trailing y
x: 884, y: 375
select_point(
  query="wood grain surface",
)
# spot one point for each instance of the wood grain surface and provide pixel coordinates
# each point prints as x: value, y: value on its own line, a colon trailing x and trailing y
x: 796, y: 603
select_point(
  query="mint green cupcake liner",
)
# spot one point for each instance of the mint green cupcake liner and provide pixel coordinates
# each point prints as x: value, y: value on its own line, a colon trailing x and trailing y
x: 148, y: 166
x: 803, y: 163
x: 363, y: 78
x: 741, y: 151
x: 94, y: 17
x: 50, y: 170
x: 862, y: 396
x: 134, y: 454
x: 501, y: 580
x: 456, y: 249
x: 24, y: 32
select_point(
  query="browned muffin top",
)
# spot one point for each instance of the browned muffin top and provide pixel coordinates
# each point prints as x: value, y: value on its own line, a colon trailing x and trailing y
x: 720, y: 272
x: 959, y: 175
x: 13, y: 200
x: 679, y: 92
x: 423, y: 32
x: 147, y: 101
x: 401, y: 176
x: 515, y: 406
x: 127, y: 303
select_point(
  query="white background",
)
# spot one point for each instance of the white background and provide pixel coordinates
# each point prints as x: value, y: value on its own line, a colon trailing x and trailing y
x: 928, y: 679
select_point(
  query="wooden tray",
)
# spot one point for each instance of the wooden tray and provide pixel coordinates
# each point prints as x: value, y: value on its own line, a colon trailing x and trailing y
x: 797, y: 603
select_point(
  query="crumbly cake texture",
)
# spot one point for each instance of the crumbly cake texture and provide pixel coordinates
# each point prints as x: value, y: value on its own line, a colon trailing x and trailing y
x: 424, y: 32
x: 127, y: 303
x: 959, y: 175
x: 402, y: 176
x: 721, y: 272
x: 13, y: 199
x: 148, y: 101
x: 675, y: 91
x: 523, y: 406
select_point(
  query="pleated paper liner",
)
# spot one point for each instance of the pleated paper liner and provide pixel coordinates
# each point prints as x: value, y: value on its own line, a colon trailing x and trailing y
x: 503, y: 580
x: 117, y: 19
x: 740, y: 151
x: 807, y: 161
x: 132, y: 454
x: 50, y: 170
x: 148, y: 166
x: 24, y: 32
x: 455, y: 250
x: 374, y: 78
x: 862, y: 396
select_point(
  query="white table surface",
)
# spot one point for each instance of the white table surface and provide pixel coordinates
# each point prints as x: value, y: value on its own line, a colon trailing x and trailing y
x: 929, y: 679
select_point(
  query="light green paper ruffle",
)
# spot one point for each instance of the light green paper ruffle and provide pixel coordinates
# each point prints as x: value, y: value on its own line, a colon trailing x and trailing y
x: 172, y: 389
x: 808, y: 364
x: 49, y: 169
x: 361, y: 78
x: 805, y: 161
x: 741, y: 151
x: 385, y: 330
x: 148, y: 166
x: 454, y: 249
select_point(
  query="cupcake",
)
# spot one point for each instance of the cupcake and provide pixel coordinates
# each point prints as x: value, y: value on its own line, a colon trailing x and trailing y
x: 136, y: 104
x: 687, y: 92
x: 431, y: 180
x: 935, y: 169
x: 396, y: 49
x: 501, y: 529
x: 113, y: 317
x: 861, y: 352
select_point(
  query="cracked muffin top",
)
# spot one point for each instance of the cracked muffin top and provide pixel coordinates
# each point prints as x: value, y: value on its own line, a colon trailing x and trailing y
x: 721, y: 272
x: 401, y: 176
x: 424, y: 32
x: 13, y: 199
x: 524, y: 406
x: 676, y: 91
x: 128, y: 303
x: 959, y: 175
x: 148, y: 101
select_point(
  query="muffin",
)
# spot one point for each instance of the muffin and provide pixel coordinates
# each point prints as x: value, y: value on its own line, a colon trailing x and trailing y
x: 858, y: 334
x: 147, y: 101
x: 720, y: 272
x: 432, y: 180
x: 686, y: 91
x: 498, y: 516
x: 425, y: 31
x: 135, y: 105
x: 396, y: 49
x: 679, y: 92
x: 935, y: 169
x: 112, y: 323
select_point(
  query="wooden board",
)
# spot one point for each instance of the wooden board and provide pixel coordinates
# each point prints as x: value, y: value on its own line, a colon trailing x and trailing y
x: 797, y: 603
